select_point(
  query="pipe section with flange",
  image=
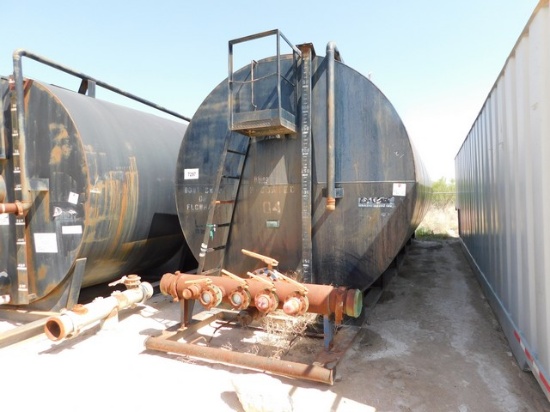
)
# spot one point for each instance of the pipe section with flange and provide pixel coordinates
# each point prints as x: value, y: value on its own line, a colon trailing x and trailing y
x: 70, y: 322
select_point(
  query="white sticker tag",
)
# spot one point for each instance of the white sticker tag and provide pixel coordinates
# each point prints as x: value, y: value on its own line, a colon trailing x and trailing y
x: 73, y: 198
x: 4, y: 219
x: 45, y: 242
x: 190, y: 174
x: 399, y: 189
x: 71, y: 230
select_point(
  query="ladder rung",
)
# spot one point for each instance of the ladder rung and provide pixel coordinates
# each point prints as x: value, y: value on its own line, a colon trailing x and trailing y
x: 213, y: 249
x: 236, y: 152
x: 224, y: 202
x: 223, y: 225
x: 231, y: 177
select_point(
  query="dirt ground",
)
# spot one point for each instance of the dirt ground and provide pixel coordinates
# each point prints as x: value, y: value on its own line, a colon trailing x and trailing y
x: 431, y: 343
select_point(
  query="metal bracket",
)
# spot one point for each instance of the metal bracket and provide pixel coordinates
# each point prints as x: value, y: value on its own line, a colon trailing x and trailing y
x: 338, y: 192
x: 76, y: 282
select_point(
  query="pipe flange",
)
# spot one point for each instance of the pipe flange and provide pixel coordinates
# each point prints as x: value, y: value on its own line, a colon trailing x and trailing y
x: 211, y: 296
x: 266, y: 301
x: 240, y: 298
x: 353, y: 305
x: 132, y: 281
x: 296, y: 304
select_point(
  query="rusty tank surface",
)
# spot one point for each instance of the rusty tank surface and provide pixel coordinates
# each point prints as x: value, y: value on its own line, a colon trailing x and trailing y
x: 303, y: 159
x: 86, y: 190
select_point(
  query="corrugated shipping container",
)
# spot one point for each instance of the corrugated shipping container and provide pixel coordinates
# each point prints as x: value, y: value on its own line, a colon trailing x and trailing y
x: 503, y: 202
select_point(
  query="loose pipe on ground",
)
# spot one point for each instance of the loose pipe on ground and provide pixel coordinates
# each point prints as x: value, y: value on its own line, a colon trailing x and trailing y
x: 332, y: 55
x: 70, y: 323
x: 246, y: 360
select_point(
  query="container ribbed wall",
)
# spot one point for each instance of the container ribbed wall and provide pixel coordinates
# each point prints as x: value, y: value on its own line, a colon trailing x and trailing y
x: 502, y: 175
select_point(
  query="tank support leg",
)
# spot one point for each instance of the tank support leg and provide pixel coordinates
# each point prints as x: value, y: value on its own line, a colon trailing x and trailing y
x: 76, y: 282
x: 328, y: 332
x: 186, y: 311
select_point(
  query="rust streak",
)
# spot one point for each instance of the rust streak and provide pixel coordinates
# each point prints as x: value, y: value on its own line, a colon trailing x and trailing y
x: 62, y: 148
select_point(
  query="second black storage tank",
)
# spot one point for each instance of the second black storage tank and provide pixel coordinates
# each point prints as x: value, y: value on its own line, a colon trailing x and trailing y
x: 94, y: 185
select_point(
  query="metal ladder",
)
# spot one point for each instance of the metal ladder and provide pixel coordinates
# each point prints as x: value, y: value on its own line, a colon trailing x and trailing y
x: 21, y: 235
x: 245, y: 119
x: 229, y: 176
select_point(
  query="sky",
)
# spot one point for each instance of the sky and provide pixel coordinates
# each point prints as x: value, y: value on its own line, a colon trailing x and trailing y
x: 436, y: 61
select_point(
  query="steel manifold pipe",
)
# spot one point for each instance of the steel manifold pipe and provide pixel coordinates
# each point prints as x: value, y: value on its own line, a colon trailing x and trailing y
x: 70, y: 322
x: 264, y: 294
x: 265, y: 291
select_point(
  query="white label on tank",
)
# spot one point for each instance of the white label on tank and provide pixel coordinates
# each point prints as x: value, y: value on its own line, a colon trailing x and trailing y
x: 190, y: 174
x: 376, y: 202
x: 399, y: 189
x: 4, y: 219
x: 71, y: 230
x: 73, y: 198
x: 45, y: 242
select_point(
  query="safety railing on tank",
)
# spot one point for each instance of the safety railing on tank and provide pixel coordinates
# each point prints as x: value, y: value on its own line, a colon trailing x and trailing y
x: 254, y: 121
x: 88, y: 83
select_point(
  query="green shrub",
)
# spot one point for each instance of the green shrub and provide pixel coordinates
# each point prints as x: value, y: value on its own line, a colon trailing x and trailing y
x: 444, y: 193
x: 440, y: 221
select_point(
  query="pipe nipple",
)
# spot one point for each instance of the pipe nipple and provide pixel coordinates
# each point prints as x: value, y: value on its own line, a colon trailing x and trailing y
x: 54, y: 329
x: 331, y: 204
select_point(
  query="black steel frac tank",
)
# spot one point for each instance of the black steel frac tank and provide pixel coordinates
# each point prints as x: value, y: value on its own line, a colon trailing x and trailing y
x: 381, y: 185
x: 97, y: 183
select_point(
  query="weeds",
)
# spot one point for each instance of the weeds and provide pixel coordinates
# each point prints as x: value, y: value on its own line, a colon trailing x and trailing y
x: 441, y: 220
